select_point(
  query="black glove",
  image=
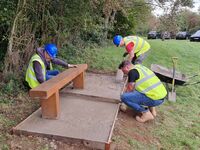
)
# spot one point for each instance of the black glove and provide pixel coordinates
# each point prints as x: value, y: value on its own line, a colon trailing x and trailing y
x: 125, y: 54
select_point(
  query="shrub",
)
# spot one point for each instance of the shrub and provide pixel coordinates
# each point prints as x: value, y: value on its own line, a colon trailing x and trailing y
x: 12, y: 85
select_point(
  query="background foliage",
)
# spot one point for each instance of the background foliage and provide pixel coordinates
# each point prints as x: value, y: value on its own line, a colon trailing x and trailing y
x: 80, y: 25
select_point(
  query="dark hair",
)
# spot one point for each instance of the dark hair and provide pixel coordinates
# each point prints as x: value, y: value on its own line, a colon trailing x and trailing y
x: 124, y: 63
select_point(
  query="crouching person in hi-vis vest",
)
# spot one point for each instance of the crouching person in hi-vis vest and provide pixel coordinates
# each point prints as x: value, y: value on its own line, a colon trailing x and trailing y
x: 143, y: 91
x: 136, y: 47
x: 40, y: 65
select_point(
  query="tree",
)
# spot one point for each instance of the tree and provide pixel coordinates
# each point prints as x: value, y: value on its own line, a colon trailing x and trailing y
x: 22, y: 35
x: 131, y: 16
x: 187, y: 20
x: 65, y: 22
x: 37, y: 22
x: 6, y: 14
x: 171, y: 9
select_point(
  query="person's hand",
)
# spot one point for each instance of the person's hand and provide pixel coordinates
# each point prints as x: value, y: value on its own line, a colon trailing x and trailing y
x: 72, y: 66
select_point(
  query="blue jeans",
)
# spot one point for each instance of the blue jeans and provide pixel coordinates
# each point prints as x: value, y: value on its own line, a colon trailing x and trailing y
x: 51, y: 73
x: 137, y: 101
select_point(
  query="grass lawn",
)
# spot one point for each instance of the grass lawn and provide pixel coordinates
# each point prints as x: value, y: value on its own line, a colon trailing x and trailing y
x: 178, y: 126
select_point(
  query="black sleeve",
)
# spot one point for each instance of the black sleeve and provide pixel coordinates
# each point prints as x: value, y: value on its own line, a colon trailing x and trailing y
x: 133, y: 75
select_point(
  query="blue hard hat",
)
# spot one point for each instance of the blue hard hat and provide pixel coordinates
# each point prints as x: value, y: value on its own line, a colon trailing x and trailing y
x: 51, y: 49
x: 117, y: 39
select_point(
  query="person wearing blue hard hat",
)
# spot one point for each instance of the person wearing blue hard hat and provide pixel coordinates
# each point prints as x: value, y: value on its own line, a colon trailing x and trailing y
x: 51, y: 49
x: 136, y: 47
x: 40, y: 65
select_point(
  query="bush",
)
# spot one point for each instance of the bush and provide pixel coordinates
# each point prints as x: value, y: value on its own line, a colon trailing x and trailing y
x: 12, y: 85
x: 76, y: 55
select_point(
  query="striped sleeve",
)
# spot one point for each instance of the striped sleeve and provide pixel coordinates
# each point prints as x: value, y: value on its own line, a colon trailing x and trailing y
x: 129, y: 47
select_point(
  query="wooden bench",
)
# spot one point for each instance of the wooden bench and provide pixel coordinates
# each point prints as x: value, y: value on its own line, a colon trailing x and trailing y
x: 48, y: 92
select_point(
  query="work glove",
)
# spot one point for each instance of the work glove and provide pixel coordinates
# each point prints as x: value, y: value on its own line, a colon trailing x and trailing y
x: 125, y: 54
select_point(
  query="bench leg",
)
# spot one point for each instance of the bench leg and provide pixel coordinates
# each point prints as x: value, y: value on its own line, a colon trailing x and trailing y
x: 78, y: 82
x: 51, y: 107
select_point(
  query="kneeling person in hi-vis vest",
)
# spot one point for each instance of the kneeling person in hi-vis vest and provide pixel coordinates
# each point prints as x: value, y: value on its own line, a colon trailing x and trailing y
x: 136, y: 47
x: 40, y: 65
x: 142, y: 89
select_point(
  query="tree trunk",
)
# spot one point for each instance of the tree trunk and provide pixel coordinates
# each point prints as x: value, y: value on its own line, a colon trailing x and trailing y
x: 20, y: 46
x: 11, y: 56
x: 109, y: 16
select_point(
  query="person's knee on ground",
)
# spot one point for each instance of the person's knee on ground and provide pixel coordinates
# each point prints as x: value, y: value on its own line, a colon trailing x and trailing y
x: 123, y: 106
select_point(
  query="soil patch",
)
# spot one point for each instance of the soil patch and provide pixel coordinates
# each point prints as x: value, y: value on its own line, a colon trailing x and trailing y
x: 128, y: 130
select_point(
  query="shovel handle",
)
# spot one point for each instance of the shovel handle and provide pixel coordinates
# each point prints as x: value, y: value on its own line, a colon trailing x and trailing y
x: 174, y: 61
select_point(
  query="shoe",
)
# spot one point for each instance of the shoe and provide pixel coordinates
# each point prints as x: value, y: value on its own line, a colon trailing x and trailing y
x: 146, y: 116
x: 153, y: 111
x: 123, y: 107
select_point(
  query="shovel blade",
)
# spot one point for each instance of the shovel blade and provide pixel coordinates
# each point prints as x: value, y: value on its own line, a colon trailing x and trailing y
x: 172, y: 96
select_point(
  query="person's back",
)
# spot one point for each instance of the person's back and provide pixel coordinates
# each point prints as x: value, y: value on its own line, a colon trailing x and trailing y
x: 135, y: 46
x: 140, y: 45
x: 152, y: 87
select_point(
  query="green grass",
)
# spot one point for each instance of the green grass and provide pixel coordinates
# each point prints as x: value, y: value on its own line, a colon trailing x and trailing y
x: 107, y: 59
x: 178, y: 126
x: 188, y: 54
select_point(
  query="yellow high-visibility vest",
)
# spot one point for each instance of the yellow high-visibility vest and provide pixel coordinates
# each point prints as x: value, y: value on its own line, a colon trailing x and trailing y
x: 149, y: 84
x: 140, y: 45
x: 30, y: 73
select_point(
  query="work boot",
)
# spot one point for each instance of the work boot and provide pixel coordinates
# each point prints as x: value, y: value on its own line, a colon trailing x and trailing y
x: 146, y: 116
x: 123, y: 107
x: 153, y: 111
